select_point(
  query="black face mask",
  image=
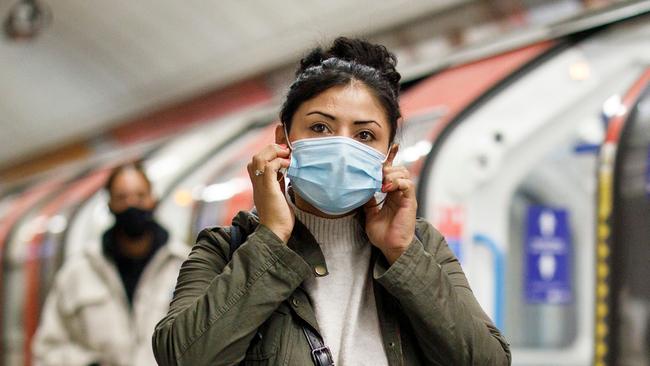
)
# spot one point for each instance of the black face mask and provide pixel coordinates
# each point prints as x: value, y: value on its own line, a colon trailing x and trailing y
x: 134, y: 221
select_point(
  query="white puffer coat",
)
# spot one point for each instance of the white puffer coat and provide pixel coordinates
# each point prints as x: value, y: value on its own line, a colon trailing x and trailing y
x: 87, y: 319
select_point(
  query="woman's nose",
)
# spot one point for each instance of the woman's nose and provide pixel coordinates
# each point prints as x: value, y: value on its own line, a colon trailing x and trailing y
x: 344, y: 132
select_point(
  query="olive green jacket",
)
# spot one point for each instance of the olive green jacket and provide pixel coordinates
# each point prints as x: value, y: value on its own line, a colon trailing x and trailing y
x: 251, y: 310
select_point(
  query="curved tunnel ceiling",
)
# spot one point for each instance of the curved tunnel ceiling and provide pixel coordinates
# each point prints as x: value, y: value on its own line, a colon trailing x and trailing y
x: 100, y: 62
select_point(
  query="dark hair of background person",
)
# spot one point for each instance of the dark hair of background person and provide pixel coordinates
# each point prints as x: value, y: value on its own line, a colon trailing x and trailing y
x: 345, y: 61
x: 137, y: 166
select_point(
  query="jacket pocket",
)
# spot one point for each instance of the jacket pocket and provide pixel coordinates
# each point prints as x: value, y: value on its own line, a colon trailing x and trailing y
x: 266, y: 345
x: 94, y: 319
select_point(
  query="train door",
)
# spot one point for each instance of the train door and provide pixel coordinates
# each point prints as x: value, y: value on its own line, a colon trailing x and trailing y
x: 623, y: 255
x: 517, y: 170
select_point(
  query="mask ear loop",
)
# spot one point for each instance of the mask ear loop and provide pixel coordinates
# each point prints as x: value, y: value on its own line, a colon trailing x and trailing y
x: 386, y: 158
x: 382, y: 163
x: 288, y: 191
x: 283, y: 171
x: 286, y: 135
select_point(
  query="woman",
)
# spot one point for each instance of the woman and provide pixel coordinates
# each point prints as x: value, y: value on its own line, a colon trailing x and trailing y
x: 326, y: 273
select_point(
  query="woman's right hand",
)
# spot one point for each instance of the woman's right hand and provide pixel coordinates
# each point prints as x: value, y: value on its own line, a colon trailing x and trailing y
x: 268, y: 193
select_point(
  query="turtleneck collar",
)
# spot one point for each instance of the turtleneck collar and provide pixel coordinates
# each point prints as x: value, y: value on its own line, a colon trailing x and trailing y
x: 340, y: 233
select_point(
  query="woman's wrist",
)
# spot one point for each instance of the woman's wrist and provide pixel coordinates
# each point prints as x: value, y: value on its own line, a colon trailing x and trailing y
x: 393, y: 254
x: 281, y: 233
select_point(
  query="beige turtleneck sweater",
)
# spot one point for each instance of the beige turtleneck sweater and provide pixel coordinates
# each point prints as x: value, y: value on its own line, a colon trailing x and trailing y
x: 344, y: 300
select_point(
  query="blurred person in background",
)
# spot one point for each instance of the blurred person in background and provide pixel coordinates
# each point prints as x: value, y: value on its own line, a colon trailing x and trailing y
x: 105, y: 303
x: 324, y: 273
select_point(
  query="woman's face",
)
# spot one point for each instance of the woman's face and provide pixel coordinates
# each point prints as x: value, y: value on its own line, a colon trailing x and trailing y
x: 348, y: 110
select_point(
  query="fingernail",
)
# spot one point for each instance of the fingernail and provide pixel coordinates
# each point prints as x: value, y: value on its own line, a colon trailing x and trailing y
x: 283, y: 146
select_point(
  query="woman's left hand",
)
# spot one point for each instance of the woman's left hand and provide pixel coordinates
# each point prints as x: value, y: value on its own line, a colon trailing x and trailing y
x: 391, y: 228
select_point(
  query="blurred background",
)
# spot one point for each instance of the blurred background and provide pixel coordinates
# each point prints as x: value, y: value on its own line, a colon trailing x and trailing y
x: 526, y: 127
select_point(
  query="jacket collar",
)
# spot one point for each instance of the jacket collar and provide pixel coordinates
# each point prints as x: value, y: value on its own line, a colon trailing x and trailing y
x: 301, y: 240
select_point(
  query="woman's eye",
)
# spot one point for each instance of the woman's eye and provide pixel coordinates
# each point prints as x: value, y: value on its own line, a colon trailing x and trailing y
x: 366, y: 136
x: 319, y: 128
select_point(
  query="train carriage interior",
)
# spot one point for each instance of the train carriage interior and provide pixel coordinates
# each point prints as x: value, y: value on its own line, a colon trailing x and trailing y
x: 525, y: 128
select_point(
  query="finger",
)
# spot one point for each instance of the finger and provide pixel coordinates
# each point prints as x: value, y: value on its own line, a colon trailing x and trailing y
x: 395, y: 184
x: 389, y: 183
x: 391, y: 155
x: 267, y: 168
x: 272, y: 167
x: 249, y: 167
x: 282, y: 150
x: 269, y: 153
x: 396, y: 171
x: 406, y: 187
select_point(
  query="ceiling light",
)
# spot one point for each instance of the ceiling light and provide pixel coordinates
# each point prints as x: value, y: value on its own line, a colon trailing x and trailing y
x: 26, y: 19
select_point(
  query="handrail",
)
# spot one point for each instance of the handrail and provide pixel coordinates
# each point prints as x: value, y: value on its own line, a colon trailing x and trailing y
x: 499, y: 267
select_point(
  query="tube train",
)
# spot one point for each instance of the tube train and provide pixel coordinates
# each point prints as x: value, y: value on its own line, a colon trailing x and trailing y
x: 532, y: 158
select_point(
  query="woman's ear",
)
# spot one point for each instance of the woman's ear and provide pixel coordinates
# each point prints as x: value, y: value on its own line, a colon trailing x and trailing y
x: 280, y: 137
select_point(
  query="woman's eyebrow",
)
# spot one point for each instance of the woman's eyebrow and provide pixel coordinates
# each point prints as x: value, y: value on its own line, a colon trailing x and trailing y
x: 366, y: 122
x: 329, y: 116
x: 323, y: 114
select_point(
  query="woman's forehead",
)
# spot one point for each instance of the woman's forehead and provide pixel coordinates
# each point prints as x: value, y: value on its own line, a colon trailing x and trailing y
x: 347, y: 103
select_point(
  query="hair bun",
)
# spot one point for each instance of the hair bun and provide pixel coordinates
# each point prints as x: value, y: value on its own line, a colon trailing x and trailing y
x: 358, y: 51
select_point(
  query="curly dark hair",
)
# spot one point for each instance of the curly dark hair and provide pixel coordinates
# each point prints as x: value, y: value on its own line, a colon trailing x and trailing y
x: 345, y: 61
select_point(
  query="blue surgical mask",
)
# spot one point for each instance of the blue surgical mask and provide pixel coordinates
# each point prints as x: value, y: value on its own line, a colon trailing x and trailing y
x: 335, y: 174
